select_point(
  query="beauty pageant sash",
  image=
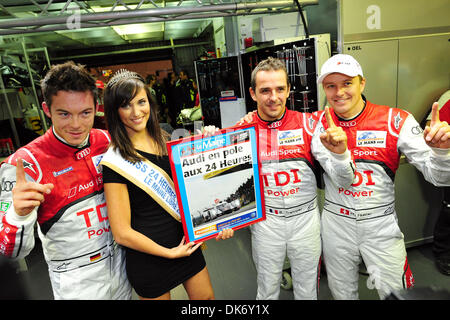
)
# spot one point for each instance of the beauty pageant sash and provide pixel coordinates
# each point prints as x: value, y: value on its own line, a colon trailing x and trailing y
x: 147, y: 176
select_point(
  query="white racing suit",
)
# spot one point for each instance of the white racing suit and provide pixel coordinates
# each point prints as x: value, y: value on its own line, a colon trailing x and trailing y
x: 292, y: 222
x: 360, y: 221
x: 84, y: 261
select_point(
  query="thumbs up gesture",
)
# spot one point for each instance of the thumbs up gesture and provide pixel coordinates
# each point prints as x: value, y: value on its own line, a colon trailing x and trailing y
x: 26, y: 194
x: 437, y: 134
x: 334, y: 138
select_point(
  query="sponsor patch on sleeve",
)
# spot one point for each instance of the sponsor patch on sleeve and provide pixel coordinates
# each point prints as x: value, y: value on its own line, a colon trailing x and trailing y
x: 375, y: 139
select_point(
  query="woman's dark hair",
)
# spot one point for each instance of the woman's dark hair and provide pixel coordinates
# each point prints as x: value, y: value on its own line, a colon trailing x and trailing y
x: 119, y: 91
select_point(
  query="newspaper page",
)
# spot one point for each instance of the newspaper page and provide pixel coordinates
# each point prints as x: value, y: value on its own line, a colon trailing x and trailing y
x: 217, y: 181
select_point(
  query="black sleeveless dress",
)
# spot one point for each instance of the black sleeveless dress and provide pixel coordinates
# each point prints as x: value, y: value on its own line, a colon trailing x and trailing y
x: 151, y: 276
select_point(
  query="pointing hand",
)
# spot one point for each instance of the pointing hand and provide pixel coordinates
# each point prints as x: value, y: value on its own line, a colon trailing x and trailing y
x: 26, y: 194
x: 437, y: 134
x: 334, y: 138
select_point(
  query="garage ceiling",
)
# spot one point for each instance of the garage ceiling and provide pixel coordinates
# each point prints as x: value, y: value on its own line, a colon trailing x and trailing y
x: 75, y: 24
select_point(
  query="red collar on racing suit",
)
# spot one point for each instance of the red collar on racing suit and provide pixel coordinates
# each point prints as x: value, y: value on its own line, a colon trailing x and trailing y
x: 272, y: 124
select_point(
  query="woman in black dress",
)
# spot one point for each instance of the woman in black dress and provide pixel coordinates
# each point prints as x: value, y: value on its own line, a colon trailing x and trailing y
x: 157, y: 257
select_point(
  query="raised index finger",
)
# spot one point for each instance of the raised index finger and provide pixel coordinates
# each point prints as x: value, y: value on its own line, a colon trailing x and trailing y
x: 20, y: 172
x: 329, y: 118
x: 434, y: 113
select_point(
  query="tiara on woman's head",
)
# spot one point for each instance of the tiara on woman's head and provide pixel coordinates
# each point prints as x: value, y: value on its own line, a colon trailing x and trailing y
x: 123, y: 74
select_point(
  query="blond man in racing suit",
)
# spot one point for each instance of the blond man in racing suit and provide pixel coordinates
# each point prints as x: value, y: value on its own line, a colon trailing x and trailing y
x: 360, y: 221
x: 56, y: 181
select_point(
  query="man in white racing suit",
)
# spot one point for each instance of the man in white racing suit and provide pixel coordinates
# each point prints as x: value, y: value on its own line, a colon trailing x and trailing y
x: 56, y: 181
x: 286, y: 153
x: 360, y: 221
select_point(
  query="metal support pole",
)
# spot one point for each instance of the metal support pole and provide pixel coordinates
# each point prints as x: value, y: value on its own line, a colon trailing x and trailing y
x: 30, y: 75
x: 47, y: 58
